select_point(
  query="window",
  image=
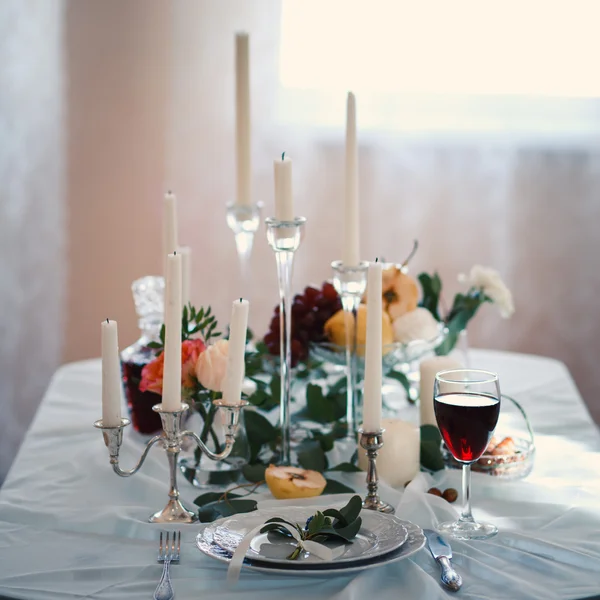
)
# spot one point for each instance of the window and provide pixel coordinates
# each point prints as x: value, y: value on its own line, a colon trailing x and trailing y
x: 444, y: 65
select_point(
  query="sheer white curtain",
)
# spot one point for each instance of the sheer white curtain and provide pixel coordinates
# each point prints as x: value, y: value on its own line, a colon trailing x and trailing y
x: 32, y: 211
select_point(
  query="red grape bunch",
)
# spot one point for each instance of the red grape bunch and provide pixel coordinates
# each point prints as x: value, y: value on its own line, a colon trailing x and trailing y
x: 310, y: 311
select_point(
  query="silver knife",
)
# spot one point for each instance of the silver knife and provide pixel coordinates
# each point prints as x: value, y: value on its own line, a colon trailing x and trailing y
x: 441, y: 551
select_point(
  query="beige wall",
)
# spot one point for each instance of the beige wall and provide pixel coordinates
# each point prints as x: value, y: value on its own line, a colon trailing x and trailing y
x: 118, y: 67
x: 143, y: 116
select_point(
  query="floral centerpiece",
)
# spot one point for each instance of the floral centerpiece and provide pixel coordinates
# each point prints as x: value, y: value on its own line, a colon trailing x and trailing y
x: 204, y: 355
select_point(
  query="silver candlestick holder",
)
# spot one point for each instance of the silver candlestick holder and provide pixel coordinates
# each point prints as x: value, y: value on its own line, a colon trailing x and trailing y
x: 284, y: 237
x: 350, y: 283
x: 372, y: 443
x: 172, y: 438
x: 244, y: 220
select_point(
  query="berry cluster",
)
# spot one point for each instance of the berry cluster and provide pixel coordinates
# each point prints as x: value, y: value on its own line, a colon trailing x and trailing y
x: 310, y: 311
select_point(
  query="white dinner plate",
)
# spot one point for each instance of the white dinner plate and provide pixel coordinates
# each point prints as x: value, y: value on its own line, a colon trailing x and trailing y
x: 379, y: 534
x: 414, y: 542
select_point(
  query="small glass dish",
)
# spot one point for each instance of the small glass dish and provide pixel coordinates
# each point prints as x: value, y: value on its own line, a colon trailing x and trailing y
x: 514, y: 453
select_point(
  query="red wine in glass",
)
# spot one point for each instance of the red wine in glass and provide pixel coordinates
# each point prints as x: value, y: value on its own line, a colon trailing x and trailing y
x: 466, y: 422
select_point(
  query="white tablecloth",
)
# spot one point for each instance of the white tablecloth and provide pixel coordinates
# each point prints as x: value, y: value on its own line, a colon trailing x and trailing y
x: 70, y: 528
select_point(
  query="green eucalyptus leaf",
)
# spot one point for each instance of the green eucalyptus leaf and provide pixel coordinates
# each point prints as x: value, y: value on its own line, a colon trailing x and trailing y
x: 432, y: 288
x: 312, y: 457
x: 348, y: 532
x: 254, y: 473
x: 316, y: 523
x: 211, y: 497
x: 154, y: 345
x: 341, y: 520
x: 216, y: 510
x: 326, y: 440
x: 345, y: 467
x: 321, y: 408
x: 431, y: 454
x: 275, y: 527
x: 352, y: 509
x: 335, y: 487
x: 401, y: 378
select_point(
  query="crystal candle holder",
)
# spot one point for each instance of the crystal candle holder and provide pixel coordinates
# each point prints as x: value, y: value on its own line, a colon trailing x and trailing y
x: 284, y: 237
x: 350, y: 283
x: 244, y: 220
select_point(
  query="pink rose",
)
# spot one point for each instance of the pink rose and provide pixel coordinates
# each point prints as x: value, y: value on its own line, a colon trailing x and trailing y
x: 152, y: 375
x: 211, y: 366
x: 191, y: 350
x: 153, y: 372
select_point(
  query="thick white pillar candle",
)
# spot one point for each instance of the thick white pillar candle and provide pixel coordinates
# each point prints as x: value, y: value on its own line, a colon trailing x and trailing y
x: 373, y: 358
x: 351, y: 248
x: 186, y: 273
x: 232, y: 388
x: 399, y: 460
x: 170, y: 242
x: 428, y: 370
x: 171, y: 396
x: 242, y: 119
x: 111, y: 375
x: 284, y: 203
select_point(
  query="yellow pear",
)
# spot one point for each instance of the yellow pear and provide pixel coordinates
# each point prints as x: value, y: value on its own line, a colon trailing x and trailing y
x: 292, y: 482
x: 335, y: 329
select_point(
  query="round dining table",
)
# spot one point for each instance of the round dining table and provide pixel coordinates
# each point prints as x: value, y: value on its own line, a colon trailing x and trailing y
x: 70, y: 528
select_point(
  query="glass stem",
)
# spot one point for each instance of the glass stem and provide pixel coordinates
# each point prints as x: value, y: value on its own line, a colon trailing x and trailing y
x: 466, y: 515
x: 350, y: 303
x: 243, y: 244
x: 284, y: 275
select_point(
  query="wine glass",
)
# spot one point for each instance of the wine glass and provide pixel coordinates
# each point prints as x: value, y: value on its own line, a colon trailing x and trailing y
x: 467, y: 405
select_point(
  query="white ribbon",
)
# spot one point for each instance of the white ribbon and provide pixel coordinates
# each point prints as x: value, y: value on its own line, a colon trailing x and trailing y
x: 315, y: 548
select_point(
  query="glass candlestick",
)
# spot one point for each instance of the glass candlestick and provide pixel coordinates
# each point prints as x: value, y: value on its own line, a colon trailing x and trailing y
x: 350, y: 283
x: 284, y: 237
x: 244, y: 220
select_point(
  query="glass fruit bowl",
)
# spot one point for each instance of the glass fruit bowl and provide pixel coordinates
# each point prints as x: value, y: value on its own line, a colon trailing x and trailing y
x: 392, y: 354
x: 511, y: 452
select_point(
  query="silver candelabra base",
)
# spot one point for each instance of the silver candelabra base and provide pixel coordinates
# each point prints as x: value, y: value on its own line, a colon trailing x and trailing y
x: 372, y: 441
x: 171, y: 437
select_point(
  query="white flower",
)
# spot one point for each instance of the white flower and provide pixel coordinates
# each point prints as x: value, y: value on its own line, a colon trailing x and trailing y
x: 418, y: 324
x: 211, y: 366
x: 490, y: 283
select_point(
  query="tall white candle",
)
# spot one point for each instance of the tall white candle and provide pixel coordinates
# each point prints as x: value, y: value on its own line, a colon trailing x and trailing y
x: 232, y: 388
x: 170, y: 242
x: 351, y: 248
x: 171, y: 396
x: 284, y: 203
x: 373, y: 358
x: 186, y: 273
x: 428, y: 370
x: 242, y: 119
x: 111, y: 375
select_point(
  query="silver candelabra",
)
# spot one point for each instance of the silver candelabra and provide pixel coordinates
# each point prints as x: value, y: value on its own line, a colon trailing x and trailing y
x: 372, y: 441
x: 171, y: 437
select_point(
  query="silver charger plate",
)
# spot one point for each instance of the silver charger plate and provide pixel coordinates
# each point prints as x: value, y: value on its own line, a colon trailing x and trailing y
x: 379, y: 534
x: 414, y: 542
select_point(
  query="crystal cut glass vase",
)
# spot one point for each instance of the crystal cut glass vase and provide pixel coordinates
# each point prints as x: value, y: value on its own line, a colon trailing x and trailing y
x: 148, y: 296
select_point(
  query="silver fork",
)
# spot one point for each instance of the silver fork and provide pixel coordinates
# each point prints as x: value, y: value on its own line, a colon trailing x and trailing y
x: 167, y: 554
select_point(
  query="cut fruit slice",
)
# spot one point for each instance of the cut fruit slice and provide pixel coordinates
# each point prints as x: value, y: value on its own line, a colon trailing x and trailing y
x: 293, y: 482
